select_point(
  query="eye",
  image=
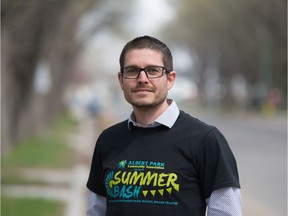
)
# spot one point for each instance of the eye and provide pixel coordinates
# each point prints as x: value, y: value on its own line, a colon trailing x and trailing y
x: 131, y: 70
x: 152, y: 70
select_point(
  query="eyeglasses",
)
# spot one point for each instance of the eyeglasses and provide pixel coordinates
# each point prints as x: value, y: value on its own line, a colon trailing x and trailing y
x: 151, y: 72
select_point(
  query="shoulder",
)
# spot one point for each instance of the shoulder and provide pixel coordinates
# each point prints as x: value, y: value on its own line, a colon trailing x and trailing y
x: 202, y: 133
x: 122, y: 124
x: 114, y: 130
x: 187, y: 121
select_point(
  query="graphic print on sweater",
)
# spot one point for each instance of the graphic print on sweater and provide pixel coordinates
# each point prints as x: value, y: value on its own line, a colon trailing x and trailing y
x: 141, y: 182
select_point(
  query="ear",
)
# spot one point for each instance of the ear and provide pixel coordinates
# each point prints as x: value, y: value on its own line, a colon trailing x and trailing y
x: 120, y: 79
x: 171, y: 77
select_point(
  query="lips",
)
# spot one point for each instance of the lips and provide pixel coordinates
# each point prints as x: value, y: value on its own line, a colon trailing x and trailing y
x: 142, y: 89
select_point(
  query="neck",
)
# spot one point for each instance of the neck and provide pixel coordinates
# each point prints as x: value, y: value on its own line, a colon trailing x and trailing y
x: 146, y: 115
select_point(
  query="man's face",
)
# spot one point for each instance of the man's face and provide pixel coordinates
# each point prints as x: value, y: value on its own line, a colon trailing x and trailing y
x: 144, y: 92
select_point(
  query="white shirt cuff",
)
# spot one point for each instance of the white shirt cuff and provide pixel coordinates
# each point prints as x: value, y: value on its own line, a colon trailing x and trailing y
x: 225, y: 202
x: 96, y: 205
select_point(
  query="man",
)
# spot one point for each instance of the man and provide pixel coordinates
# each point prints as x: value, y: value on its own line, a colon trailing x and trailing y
x: 161, y: 161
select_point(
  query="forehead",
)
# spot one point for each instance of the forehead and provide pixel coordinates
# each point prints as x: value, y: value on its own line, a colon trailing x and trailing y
x: 143, y: 57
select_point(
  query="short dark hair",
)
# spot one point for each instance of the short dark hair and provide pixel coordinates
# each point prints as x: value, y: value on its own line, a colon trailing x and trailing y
x: 147, y: 42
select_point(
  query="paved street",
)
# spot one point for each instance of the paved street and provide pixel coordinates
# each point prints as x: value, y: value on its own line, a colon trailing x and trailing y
x: 260, y: 147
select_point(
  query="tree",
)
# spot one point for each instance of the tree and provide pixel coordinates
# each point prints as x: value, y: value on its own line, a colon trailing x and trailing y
x: 34, y: 32
x: 243, y: 37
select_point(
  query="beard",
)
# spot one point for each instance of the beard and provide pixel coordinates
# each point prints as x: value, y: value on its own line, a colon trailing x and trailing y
x: 147, y: 102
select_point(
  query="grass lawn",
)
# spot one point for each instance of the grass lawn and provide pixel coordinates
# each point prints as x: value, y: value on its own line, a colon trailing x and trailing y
x: 31, y: 207
x: 49, y: 150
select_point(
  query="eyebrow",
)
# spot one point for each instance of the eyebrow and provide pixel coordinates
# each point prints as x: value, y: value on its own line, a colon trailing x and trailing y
x: 143, y: 67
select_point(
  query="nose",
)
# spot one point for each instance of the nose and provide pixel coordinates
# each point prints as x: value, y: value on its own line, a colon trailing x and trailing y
x: 142, y: 77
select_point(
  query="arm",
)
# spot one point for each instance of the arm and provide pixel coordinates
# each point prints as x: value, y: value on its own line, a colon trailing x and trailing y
x: 96, y: 204
x: 225, y: 202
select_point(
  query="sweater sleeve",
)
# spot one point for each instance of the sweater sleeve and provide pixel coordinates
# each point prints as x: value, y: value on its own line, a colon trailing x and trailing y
x: 95, y: 181
x: 217, y: 164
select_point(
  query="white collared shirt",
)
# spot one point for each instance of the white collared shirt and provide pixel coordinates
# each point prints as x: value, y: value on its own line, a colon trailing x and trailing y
x: 167, y: 118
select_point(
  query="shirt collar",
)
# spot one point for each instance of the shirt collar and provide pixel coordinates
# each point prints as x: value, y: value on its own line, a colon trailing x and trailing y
x: 167, y: 118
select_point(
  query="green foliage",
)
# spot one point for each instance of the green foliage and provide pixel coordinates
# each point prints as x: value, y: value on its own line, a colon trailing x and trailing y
x: 31, y: 207
x: 246, y: 38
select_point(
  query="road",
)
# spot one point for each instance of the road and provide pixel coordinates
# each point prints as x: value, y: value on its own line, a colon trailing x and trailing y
x: 260, y: 147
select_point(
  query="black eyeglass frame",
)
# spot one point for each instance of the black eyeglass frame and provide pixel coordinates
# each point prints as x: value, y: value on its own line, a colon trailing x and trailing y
x: 144, y: 69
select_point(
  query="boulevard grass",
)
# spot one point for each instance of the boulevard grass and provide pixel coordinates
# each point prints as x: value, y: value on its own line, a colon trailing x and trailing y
x: 46, y: 151
x: 31, y: 207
